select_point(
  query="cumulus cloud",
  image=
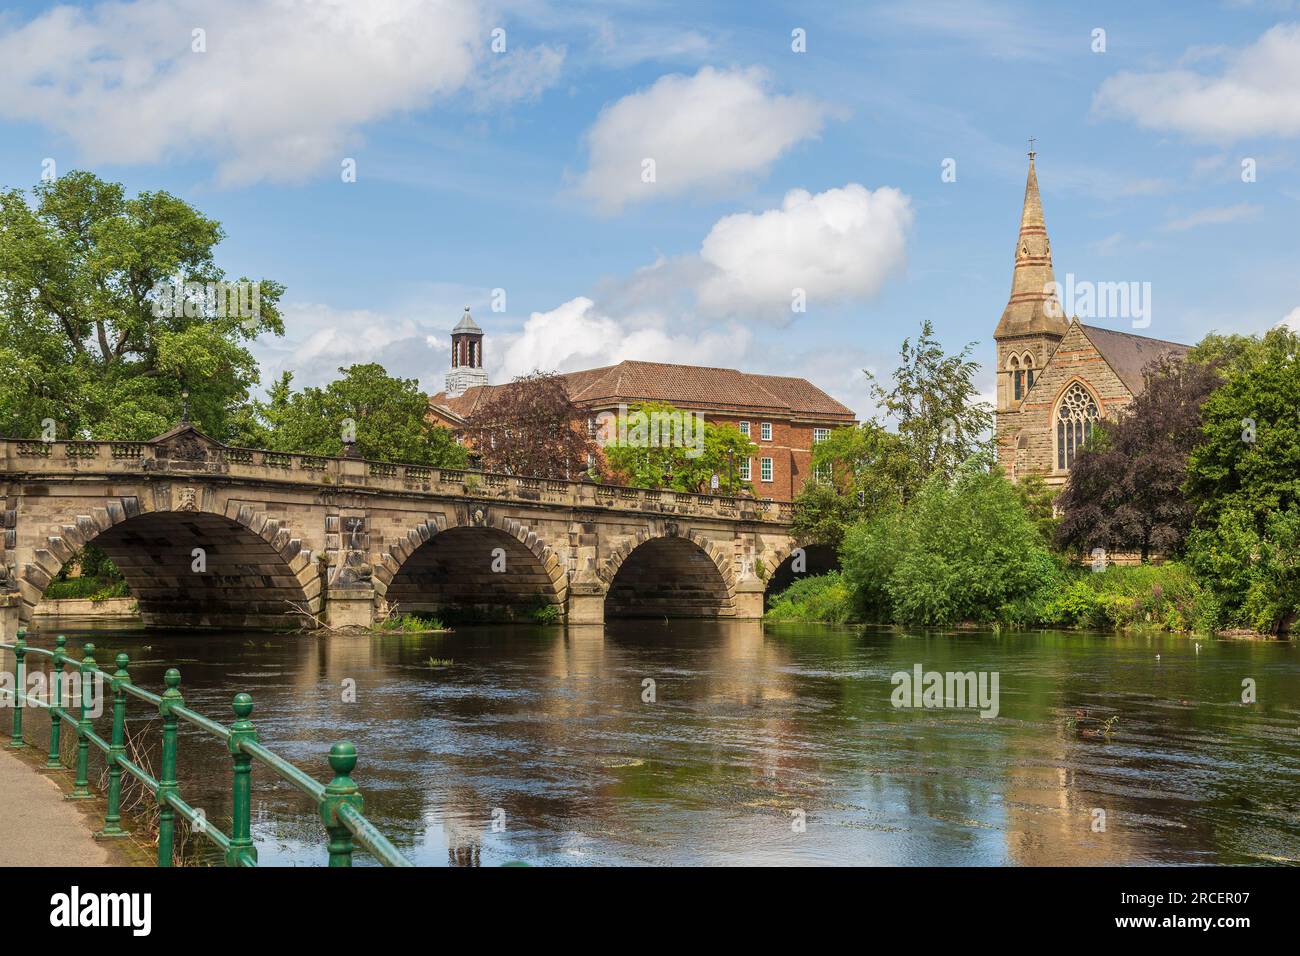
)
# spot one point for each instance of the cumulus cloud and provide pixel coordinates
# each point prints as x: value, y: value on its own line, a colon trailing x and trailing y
x: 703, y: 133
x: 1292, y: 319
x: 1257, y: 93
x: 578, y: 335
x: 834, y: 246
x: 281, y: 90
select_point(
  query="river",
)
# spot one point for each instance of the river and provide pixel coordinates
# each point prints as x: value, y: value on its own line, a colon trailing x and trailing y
x: 752, y: 744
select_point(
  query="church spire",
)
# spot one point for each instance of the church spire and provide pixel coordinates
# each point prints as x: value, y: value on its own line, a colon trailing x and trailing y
x: 1032, y: 308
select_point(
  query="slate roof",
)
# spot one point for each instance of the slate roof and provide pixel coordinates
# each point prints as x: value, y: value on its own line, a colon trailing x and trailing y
x: 1128, y: 354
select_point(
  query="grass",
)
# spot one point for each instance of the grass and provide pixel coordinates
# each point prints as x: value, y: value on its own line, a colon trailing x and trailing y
x: 823, y: 597
x: 93, y: 589
x: 410, y: 624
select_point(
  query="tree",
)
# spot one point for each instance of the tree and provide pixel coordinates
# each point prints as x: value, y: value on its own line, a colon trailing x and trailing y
x: 110, y: 307
x: 963, y: 549
x: 658, y: 446
x: 863, y: 469
x: 531, y: 427
x: 1248, y: 456
x: 387, y: 417
x: 932, y: 401
x: 1243, y: 480
x: 1124, y: 492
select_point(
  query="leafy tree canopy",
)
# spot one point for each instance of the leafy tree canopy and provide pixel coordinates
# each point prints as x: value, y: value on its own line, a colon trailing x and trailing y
x: 1125, y: 487
x: 932, y: 401
x: 658, y: 446
x: 99, y: 331
x: 386, y: 416
x: 532, y: 428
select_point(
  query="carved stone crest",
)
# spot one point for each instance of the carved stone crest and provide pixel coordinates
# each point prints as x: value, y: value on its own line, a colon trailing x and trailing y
x: 479, y: 518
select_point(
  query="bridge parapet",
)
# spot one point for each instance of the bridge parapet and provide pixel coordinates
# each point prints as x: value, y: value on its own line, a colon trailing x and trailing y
x: 191, y: 454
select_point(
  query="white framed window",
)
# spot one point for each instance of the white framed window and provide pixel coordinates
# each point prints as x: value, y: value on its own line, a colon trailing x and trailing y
x: 765, y: 431
x: 821, y: 434
x: 765, y: 469
x: 746, y: 472
x: 822, y: 474
x: 744, y: 429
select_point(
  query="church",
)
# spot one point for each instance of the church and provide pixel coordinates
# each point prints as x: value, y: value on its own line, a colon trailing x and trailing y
x: 1056, y: 376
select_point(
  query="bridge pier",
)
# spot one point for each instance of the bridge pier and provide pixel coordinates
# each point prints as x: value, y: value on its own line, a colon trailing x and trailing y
x: 10, y: 607
x: 586, y: 604
x: 351, y: 607
x: 749, y: 599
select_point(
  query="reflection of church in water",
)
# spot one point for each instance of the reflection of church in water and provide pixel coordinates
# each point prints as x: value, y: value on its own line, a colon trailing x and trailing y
x: 1055, y: 375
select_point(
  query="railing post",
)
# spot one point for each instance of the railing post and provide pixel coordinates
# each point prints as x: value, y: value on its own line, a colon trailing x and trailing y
x: 81, y: 786
x: 55, y: 761
x: 116, y: 752
x: 340, y: 790
x: 241, y: 788
x: 171, y: 697
x: 20, y: 689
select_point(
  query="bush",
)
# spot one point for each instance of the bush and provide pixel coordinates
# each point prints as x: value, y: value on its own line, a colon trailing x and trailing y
x: 823, y: 597
x: 1165, y: 596
x: 962, y: 551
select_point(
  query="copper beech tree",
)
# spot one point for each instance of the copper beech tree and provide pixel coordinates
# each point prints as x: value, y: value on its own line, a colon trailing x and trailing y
x: 531, y: 428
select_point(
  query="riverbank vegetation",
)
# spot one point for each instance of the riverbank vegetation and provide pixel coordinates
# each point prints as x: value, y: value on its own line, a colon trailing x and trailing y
x: 1195, y: 488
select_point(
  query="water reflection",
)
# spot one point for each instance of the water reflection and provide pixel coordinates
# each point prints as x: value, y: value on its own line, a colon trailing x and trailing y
x: 725, y: 743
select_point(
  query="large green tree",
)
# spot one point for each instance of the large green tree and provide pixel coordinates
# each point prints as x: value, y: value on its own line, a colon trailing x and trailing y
x: 385, y: 417
x: 1243, y: 479
x: 111, y: 306
x: 932, y: 402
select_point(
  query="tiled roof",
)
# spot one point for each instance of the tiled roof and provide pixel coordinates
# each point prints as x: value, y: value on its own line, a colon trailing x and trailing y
x: 718, y: 389
x: 1129, y: 354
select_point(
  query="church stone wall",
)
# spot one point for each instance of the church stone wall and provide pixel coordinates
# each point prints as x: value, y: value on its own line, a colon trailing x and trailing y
x: 1025, y: 438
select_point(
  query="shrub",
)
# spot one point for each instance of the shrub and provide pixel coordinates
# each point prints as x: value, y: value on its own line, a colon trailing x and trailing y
x: 822, y: 597
x: 961, y: 551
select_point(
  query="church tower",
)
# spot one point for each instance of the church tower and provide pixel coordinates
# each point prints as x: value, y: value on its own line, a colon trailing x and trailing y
x: 466, y: 357
x: 1033, y: 323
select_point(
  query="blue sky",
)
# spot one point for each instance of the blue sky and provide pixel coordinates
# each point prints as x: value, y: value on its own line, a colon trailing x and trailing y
x: 522, y: 169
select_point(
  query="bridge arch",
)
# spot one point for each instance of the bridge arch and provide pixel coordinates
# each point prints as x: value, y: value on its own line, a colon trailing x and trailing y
x: 669, y: 575
x: 250, y: 570
x: 816, y: 559
x: 482, y: 566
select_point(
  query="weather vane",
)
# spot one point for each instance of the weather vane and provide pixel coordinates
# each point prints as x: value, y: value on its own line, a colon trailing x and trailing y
x: 1032, y: 141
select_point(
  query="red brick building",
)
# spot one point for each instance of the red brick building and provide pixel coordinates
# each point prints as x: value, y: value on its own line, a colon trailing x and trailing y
x: 783, y: 415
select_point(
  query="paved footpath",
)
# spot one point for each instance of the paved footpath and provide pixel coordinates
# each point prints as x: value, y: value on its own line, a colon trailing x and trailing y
x: 37, y: 826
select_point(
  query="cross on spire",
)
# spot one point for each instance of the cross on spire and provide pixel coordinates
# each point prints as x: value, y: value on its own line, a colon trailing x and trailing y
x: 1032, y: 141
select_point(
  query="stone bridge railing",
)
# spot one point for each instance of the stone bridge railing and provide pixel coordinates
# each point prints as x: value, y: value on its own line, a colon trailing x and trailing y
x: 193, y: 455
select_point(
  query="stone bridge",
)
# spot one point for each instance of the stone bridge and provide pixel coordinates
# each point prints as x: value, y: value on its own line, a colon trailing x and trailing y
x: 210, y: 535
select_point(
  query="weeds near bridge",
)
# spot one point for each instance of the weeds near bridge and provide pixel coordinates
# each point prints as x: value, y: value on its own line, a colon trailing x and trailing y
x: 142, y: 740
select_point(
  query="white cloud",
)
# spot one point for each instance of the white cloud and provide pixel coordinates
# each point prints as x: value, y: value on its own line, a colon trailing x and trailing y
x: 1256, y: 94
x: 281, y: 91
x: 1214, y: 216
x: 837, y: 245
x: 1292, y: 319
x: 703, y: 132
x: 578, y: 335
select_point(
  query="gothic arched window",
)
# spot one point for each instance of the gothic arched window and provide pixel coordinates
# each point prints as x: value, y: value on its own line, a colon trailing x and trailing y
x: 1074, y: 419
x: 1029, y: 371
x: 1017, y: 378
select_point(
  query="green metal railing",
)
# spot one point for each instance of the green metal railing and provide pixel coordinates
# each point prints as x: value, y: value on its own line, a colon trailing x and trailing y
x: 339, y: 802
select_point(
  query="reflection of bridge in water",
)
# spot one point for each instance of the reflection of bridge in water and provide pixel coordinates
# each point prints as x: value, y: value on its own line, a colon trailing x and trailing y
x: 206, y: 534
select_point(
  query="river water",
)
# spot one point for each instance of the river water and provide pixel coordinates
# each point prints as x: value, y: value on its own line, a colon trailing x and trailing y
x: 753, y: 744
